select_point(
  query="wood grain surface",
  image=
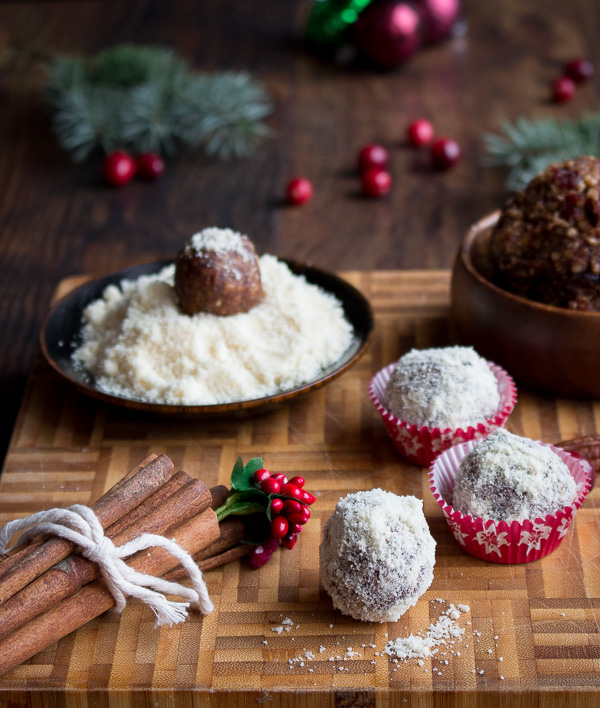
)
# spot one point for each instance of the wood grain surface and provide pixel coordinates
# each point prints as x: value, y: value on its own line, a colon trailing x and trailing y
x: 57, y: 218
x: 542, y: 618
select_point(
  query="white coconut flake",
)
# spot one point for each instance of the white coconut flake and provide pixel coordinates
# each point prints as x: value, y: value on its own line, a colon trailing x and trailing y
x: 139, y: 345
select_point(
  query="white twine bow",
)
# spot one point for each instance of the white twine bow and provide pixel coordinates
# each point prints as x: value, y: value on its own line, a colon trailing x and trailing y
x: 79, y: 525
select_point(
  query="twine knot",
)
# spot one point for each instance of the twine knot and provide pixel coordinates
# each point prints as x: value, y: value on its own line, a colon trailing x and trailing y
x: 79, y: 525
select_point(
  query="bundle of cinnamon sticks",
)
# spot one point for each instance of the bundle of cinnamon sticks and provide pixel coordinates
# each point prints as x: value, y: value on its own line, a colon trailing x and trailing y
x: 48, y: 590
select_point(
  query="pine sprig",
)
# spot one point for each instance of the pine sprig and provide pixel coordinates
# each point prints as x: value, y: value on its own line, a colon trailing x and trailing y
x: 147, y: 99
x: 527, y: 147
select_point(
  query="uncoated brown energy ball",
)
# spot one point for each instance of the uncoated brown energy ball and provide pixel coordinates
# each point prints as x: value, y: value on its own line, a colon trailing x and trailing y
x: 546, y: 244
x: 217, y: 271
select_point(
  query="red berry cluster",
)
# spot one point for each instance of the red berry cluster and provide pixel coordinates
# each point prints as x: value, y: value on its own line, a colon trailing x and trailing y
x: 119, y: 167
x: 444, y: 151
x: 576, y: 71
x: 288, y: 504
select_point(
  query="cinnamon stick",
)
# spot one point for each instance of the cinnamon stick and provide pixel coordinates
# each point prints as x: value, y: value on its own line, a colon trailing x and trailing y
x: 118, y: 501
x: 231, y: 533
x: 69, y: 575
x: 94, y: 599
x: 11, y: 559
x: 235, y: 553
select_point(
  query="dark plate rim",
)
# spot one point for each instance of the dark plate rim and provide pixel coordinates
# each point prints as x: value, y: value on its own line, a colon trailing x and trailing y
x: 357, y: 310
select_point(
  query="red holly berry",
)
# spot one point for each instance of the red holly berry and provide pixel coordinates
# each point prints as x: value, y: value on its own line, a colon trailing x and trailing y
x: 259, y: 555
x: 259, y: 475
x: 373, y: 156
x: 376, y: 183
x: 291, y: 506
x: 299, y: 191
x: 276, y: 506
x: 307, y: 497
x: 298, y: 518
x: 280, y: 477
x: 279, y: 526
x: 150, y: 165
x: 298, y: 481
x: 289, y: 541
x: 579, y: 70
x: 270, y: 486
x: 118, y: 168
x: 290, y: 490
x: 563, y: 89
x: 420, y: 132
x: 445, y: 152
x: 294, y: 528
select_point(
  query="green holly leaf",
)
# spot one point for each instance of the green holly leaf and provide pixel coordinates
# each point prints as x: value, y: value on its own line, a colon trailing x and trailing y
x: 242, y: 476
x: 248, y: 501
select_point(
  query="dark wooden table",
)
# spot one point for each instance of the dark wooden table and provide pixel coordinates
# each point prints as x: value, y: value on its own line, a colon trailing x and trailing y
x: 58, y: 219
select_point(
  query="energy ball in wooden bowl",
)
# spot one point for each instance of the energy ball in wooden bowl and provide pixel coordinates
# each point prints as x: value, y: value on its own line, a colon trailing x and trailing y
x: 546, y: 244
x: 217, y: 271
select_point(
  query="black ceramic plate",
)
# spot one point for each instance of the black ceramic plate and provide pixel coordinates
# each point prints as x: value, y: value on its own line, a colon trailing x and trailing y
x: 61, y: 335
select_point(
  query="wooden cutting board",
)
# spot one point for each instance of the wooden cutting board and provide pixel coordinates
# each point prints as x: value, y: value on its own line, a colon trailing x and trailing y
x: 542, y: 618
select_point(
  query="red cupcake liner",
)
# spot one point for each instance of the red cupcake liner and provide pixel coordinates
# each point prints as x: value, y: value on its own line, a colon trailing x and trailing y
x: 500, y: 541
x: 423, y: 445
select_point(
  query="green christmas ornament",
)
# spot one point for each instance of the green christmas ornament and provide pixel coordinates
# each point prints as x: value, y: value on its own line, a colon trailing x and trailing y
x: 329, y: 19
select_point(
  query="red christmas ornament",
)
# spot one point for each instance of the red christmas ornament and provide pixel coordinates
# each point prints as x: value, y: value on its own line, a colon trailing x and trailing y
x: 389, y: 32
x: 563, y: 89
x: 371, y: 156
x: 445, y: 152
x: 299, y: 191
x: 420, y: 132
x: 439, y: 17
x: 579, y: 70
x: 376, y: 183
x: 150, y: 165
x: 118, y: 168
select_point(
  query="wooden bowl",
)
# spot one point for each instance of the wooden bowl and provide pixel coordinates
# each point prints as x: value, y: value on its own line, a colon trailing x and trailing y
x: 547, y: 348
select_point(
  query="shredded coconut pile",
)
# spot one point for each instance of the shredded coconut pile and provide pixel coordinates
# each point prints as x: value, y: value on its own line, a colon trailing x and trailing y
x: 507, y: 477
x: 221, y: 241
x: 377, y: 555
x: 138, y: 344
x: 449, y: 387
x: 421, y: 646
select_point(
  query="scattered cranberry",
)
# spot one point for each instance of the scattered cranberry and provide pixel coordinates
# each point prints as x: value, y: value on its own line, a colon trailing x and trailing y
x: 280, y: 477
x: 270, y: 486
x: 118, y: 168
x: 276, y: 506
x: 420, y: 132
x: 291, y: 490
x: 376, y: 183
x: 289, y: 541
x: 150, y: 165
x: 579, y: 70
x: 563, y: 89
x: 445, y: 152
x: 307, y: 497
x: 259, y: 475
x: 299, y: 191
x: 298, y: 481
x: 279, y: 526
x: 291, y: 506
x: 373, y: 156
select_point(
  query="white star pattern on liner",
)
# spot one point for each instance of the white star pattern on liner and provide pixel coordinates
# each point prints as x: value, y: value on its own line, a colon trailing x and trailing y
x: 492, y: 540
x: 533, y: 539
x: 458, y: 534
x: 566, y: 521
